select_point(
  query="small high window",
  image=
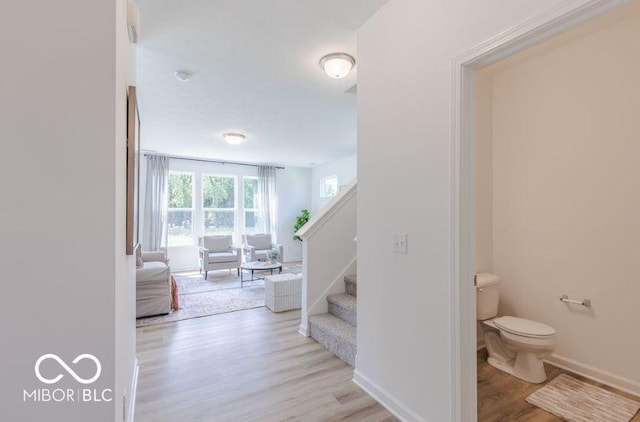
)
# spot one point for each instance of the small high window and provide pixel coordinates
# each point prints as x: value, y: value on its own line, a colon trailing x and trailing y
x: 328, y: 186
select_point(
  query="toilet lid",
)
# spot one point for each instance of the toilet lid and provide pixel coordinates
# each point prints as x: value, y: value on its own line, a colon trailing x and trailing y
x: 524, y: 327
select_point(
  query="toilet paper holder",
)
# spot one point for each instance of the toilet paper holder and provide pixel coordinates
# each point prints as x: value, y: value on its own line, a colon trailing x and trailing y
x: 585, y: 302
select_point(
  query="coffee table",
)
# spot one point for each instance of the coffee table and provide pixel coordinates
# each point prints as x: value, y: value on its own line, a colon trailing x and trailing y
x: 258, y: 266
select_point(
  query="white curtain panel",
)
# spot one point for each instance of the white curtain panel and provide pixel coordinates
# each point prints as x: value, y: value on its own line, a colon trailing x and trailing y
x: 156, y: 202
x: 267, y: 201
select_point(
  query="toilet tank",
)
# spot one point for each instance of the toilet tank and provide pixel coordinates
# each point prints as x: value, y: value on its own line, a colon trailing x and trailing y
x: 487, y: 295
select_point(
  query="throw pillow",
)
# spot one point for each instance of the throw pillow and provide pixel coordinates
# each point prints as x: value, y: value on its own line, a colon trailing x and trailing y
x: 175, y: 303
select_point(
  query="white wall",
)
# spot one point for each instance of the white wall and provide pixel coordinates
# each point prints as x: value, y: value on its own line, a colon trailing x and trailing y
x: 62, y: 182
x: 346, y: 170
x: 484, y: 173
x: 484, y: 181
x: 566, y: 133
x: 404, y: 179
x: 125, y: 342
x: 293, y: 195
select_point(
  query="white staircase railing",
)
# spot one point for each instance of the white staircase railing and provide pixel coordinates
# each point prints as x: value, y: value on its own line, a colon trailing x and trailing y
x: 328, y: 252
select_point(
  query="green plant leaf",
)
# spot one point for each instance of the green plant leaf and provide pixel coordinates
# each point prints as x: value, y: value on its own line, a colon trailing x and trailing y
x: 301, y: 220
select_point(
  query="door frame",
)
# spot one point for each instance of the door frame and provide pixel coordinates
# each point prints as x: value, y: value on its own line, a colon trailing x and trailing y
x: 561, y: 18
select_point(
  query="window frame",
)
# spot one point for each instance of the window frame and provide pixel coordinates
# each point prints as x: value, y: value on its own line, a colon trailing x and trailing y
x: 245, y: 209
x: 323, y: 181
x: 192, y: 210
x: 235, y: 202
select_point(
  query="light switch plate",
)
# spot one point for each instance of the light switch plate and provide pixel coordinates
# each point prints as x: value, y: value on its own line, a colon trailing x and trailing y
x: 399, y: 243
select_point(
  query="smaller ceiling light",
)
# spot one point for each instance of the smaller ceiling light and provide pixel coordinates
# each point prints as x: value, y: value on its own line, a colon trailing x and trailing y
x: 337, y: 65
x: 234, y: 138
x: 183, y: 76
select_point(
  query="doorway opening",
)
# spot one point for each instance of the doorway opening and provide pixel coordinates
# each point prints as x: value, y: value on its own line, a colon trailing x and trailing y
x: 527, y: 169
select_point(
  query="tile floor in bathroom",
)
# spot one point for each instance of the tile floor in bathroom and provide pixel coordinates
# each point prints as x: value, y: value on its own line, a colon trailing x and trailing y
x: 501, y: 397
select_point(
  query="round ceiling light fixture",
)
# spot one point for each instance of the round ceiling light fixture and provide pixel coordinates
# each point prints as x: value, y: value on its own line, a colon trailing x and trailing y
x: 183, y: 76
x: 337, y: 65
x: 234, y: 138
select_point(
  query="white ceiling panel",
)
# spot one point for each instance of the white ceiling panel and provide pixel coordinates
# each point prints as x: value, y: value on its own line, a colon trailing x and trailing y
x: 255, y: 71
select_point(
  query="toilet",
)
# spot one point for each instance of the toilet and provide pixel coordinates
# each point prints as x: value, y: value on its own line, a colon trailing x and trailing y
x: 515, y: 345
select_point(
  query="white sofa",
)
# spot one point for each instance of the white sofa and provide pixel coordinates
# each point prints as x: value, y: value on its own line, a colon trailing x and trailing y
x: 256, y: 246
x: 217, y: 253
x: 153, y: 285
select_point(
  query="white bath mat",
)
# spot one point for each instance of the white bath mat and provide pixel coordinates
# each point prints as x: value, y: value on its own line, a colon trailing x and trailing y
x: 577, y: 401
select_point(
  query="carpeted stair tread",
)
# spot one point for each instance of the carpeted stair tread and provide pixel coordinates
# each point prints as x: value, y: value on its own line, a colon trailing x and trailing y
x: 335, y: 325
x: 344, y: 306
x: 344, y: 300
x: 335, y: 335
x: 351, y: 278
x: 351, y: 284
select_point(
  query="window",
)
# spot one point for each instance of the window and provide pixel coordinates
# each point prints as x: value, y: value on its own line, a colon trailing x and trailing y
x: 180, y: 216
x: 328, y: 186
x: 250, y: 205
x: 219, y: 204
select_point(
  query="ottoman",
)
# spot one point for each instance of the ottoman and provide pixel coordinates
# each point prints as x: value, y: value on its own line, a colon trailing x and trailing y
x: 283, y: 292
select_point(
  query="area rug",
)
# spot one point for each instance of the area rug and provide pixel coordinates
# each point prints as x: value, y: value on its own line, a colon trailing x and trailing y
x: 577, y: 401
x: 220, y: 293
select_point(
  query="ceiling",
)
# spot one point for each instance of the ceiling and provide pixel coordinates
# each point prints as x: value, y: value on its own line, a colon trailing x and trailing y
x: 255, y: 71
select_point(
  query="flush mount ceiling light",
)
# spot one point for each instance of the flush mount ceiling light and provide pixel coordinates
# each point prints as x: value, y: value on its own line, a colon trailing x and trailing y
x: 337, y: 65
x: 183, y: 76
x: 234, y: 138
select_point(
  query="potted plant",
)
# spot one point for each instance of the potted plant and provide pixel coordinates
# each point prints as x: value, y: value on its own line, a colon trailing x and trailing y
x: 273, y: 255
x: 301, y: 220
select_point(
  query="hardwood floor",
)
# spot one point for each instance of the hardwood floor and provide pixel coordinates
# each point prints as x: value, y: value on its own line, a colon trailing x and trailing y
x: 501, y: 397
x: 254, y: 366
x: 244, y: 366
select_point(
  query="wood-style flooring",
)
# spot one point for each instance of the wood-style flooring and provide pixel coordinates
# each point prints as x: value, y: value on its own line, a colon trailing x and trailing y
x: 244, y: 366
x: 501, y: 397
x: 254, y: 366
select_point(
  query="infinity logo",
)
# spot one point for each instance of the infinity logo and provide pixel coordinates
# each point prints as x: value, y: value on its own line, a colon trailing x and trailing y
x: 68, y: 369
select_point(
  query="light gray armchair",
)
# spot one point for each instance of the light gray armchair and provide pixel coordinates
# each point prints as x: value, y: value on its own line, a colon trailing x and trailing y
x: 217, y: 253
x: 153, y: 284
x: 255, y: 247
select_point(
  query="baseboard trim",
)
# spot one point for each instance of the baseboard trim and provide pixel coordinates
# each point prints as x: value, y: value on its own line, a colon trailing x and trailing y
x: 194, y: 269
x: 303, y: 329
x: 133, y: 389
x: 385, y: 399
x: 598, y: 375
x: 184, y: 269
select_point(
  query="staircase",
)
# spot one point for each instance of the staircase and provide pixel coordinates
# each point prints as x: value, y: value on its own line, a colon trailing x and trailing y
x: 336, y: 330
